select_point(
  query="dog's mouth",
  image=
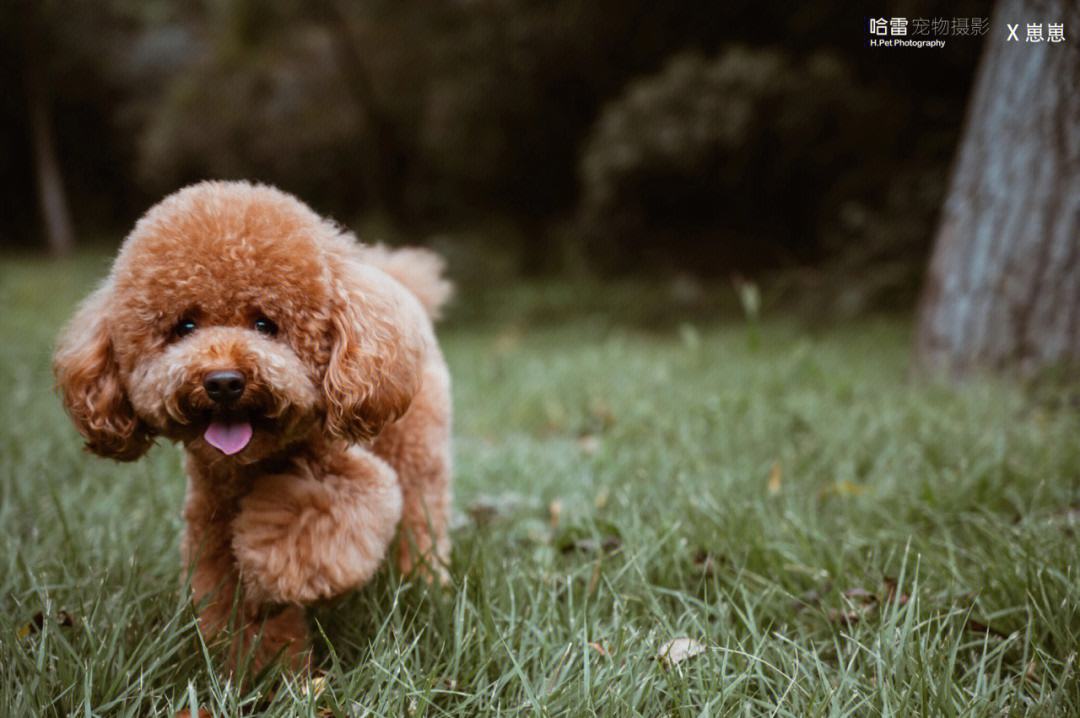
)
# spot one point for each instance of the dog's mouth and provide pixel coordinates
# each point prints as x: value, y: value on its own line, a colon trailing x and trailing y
x: 229, y: 435
x: 234, y: 430
x: 231, y: 430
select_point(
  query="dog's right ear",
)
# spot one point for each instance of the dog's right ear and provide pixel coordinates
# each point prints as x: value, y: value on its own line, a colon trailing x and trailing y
x: 89, y: 382
x: 378, y: 345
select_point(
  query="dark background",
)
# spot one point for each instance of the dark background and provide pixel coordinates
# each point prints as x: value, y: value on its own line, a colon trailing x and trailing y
x: 581, y: 137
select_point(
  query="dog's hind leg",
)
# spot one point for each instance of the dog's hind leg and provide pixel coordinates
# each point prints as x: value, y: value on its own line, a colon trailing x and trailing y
x: 418, y: 447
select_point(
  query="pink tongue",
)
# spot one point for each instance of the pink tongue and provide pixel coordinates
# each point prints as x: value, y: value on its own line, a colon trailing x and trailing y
x: 228, y: 438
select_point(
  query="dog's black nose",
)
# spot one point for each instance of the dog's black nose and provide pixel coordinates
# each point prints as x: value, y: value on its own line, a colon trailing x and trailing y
x: 224, y: 386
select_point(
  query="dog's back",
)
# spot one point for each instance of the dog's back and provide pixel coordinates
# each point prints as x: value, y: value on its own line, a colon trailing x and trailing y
x: 419, y: 270
x: 417, y: 446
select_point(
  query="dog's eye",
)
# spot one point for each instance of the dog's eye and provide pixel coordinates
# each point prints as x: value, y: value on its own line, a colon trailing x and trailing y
x: 184, y: 327
x: 265, y: 326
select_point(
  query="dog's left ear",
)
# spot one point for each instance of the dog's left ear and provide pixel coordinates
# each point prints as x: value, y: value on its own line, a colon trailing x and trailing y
x: 379, y: 341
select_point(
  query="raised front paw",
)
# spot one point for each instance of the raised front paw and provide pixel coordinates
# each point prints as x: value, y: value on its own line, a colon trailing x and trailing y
x: 298, y: 539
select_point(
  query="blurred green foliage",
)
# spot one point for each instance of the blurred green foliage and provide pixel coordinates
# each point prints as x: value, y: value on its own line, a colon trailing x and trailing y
x: 722, y: 159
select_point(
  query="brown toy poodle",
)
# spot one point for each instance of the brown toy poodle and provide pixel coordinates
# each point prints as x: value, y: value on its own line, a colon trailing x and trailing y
x: 300, y: 371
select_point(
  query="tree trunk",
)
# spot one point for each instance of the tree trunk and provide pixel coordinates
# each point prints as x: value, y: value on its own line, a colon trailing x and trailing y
x: 51, y: 195
x: 1003, y: 290
x: 50, y: 181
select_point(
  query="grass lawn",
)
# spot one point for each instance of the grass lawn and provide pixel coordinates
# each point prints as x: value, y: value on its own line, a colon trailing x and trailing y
x: 837, y: 540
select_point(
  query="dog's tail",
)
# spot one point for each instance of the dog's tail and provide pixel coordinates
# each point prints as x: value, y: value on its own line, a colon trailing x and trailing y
x: 421, y: 271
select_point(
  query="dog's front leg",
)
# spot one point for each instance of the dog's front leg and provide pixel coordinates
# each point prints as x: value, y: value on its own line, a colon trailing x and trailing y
x: 318, y: 531
x: 259, y: 636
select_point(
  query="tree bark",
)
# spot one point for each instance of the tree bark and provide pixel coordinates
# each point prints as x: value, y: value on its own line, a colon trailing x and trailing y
x: 52, y: 200
x: 51, y: 196
x: 1003, y: 289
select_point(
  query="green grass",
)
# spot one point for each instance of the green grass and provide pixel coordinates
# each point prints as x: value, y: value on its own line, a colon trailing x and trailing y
x: 750, y: 489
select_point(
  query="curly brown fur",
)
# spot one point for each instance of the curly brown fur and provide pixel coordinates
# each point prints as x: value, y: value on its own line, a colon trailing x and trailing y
x: 345, y: 394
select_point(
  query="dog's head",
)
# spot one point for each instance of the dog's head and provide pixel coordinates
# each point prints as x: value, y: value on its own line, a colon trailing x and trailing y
x: 239, y: 322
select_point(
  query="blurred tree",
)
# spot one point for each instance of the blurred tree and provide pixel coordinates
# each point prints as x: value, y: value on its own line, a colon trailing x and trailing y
x: 382, y: 160
x: 50, y: 179
x: 1003, y: 289
x: 245, y: 90
x: 725, y: 164
x: 65, y: 154
x: 33, y: 22
x: 476, y: 118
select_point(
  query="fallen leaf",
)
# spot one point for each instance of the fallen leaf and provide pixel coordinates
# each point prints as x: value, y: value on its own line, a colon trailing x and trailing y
x: 1032, y: 672
x: 980, y: 627
x: 186, y: 713
x: 609, y: 544
x: 482, y: 513
x: 63, y: 619
x: 678, y: 650
x: 838, y: 616
x: 314, y: 687
x: 599, y: 648
x: 864, y: 602
x: 776, y: 475
x: 706, y: 563
x: 891, y: 592
x: 589, y: 444
x: 554, y: 513
x: 861, y: 595
x: 485, y: 509
x: 594, y: 580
